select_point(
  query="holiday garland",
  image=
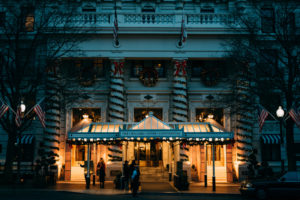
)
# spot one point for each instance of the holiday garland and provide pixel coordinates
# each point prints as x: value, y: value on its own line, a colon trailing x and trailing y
x: 180, y: 104
x: 116, y: 103
x: 52, y: 121
x: 244, y: 121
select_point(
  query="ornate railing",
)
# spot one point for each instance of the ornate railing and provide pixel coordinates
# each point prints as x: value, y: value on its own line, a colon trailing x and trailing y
x: 209, y: 18
x: 149, y: 18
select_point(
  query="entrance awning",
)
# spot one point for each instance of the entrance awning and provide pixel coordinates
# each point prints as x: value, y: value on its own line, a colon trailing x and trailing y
x: 271, y: 138
x: 150, y: 128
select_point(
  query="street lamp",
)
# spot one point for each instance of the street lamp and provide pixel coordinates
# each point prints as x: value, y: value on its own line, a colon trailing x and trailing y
x: 280, y: 114
x: 23, y: 107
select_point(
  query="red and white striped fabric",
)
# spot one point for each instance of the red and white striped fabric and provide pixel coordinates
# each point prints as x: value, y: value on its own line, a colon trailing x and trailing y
x: 40, y: 113
x: 3, y: 109
x: 295, y: 115
x: 18, y: 117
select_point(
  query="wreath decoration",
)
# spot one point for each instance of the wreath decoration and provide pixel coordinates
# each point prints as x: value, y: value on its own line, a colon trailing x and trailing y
x: 148, y: 76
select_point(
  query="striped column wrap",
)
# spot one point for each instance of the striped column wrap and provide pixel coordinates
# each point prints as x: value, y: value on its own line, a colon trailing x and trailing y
x: 180, y: 100
x: 244, y: 122
x: 116, y: 103
x: 52, y: 119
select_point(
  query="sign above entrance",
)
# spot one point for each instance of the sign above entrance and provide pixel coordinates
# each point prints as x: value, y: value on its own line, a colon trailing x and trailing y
x: 155, y: 133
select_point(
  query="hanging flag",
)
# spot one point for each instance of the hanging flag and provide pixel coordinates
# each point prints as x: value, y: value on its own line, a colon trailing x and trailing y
x: 183, y: 34
x: 116, y: 27
x: 295, y: 115
x: 18, y: 117
x: 262, y: 115
x: 3, y: 109
x: 40, y: 113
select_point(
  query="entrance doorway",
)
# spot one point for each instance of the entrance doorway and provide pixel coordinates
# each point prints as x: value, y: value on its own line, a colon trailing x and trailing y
x: 220, y: 162
x: 148, y: 154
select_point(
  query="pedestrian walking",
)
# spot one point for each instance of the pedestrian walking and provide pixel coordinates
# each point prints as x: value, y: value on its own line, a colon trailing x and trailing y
x: 101, y: 172
x: 126, y: 175
x: 135, y: 178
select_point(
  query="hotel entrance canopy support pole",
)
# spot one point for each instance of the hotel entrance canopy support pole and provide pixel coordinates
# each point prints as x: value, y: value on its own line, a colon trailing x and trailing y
x: 213, y: 177
x: 88, y: 168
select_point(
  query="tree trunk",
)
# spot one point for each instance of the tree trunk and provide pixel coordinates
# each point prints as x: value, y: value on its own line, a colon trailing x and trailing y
x: 290, y: 145
x: 9, y: 157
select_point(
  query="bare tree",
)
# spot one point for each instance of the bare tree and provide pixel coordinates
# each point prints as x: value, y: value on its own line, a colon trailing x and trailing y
x: 265, y: 53
x: 34, y: 35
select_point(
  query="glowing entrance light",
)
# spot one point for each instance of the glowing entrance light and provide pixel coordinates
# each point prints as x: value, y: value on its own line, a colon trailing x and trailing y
x: 85, y: 116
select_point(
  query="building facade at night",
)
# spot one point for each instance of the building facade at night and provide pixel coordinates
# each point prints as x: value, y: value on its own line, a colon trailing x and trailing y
x: 152, y: 82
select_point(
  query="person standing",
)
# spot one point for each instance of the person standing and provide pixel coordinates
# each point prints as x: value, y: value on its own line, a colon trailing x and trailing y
x: 135, y: 178
x: 126, y: 175
x: 101, y: 172
x: 131, y: 168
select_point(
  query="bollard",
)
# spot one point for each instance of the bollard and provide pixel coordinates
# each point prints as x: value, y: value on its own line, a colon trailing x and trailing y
x: 94, y: 179
x: 205, y: 180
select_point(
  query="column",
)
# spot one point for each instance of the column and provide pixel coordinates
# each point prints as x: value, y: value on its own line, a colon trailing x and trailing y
x: 229, y: 164
x: 116, y: 110
x: 180, y: 101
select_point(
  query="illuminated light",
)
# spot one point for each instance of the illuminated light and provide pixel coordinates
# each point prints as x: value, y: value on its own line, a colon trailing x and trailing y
x: 170, y: 138
x: 197, y: 139
x: 85, y: 139
x: 91, y: 139
x: 190, y: 138
x: 98, y: 139
x: 147, y: 116
x: 222, y: 139
x: 177, y: 138
x: 164, y: 138
x: 23, y: 107
x: 111, y: 138
x: 210, y: 139
x: 73, y: 139
x: 145, y: 139
x: 280, y: 112
x: 85, y: 116
x: 216, y: 139
x: 104, y: 139
x: 126, y: 138
x: 210, y: 116
x: 132, y: 138
x: 151, y: 138
x: 79, y: 139
x: 138, y: 138
x: 203, y: 139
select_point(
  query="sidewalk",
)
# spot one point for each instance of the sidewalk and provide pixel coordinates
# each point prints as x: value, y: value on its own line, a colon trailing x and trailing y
x: 146, y: 187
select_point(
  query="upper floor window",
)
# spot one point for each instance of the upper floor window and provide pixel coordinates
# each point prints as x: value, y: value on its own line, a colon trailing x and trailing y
x: 141, y: 113
x: 267, y: 20
x: 28, y: 19
x: 80, y: 113
x: 2, y: 19
x: 203, y: 114
x: 210, y: 71
x: 270, y: 152
x: 137, y: 66
x: 268, y: 64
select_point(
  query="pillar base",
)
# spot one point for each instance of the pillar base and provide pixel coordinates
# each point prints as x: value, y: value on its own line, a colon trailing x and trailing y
x: 214, y: 183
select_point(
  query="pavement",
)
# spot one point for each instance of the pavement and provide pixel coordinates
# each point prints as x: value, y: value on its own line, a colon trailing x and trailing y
x: 150, y: 188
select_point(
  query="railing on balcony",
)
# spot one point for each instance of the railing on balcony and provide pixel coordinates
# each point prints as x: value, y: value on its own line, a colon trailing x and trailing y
x: 149, y: 18
x: 209, y: 18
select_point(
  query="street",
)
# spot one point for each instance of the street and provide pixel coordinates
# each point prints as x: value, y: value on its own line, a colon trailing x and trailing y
x: 60, y: 195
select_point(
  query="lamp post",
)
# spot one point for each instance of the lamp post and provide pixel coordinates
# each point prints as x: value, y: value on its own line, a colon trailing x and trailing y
x: 280, y: 114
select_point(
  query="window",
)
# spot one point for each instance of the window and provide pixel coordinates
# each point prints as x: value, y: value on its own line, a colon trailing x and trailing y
x: 26, y: 152
x: 270, y: 152
x: 267, y: 20
x: 202, y: 114
x: 2, y: 19
x: 93, y: 113
x: 137, y: 66
x: 0, y: 148
x: 210, y: 71
x: 28, y: 17
x: 140, y: 113
x: 86, y: 69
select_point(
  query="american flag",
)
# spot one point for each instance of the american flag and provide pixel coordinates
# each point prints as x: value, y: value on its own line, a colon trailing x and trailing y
x: 262, y: 115
x: 3, y: 109
x: 40, y: 113
x: 295, y: 115
x: 18, y: 117
x: 183, y: 35
x: 116, y: 27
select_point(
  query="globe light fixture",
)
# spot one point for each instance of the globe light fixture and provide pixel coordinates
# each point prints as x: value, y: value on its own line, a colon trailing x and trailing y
x: 280, y: 112
x: 23, y: 107
x: 210, y: 116
x: 85, y: 116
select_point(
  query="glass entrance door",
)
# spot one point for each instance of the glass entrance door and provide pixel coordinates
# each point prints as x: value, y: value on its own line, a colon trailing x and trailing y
x: 219, y: 155
x: 148, y: 154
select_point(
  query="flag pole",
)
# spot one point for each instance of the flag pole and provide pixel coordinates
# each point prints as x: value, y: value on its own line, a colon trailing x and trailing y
x: 34, y: 106
x: 8, y: 106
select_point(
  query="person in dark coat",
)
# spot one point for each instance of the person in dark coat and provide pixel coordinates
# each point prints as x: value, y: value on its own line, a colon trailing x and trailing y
x: 126, y: 175
x: 131, y: 168
x: 135, y: 180
x: 101, y: 172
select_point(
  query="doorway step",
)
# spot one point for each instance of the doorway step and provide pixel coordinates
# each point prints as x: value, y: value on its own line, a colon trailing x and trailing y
x: 77, y: 174
x: 220, y: 173
x: 153, y: 174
